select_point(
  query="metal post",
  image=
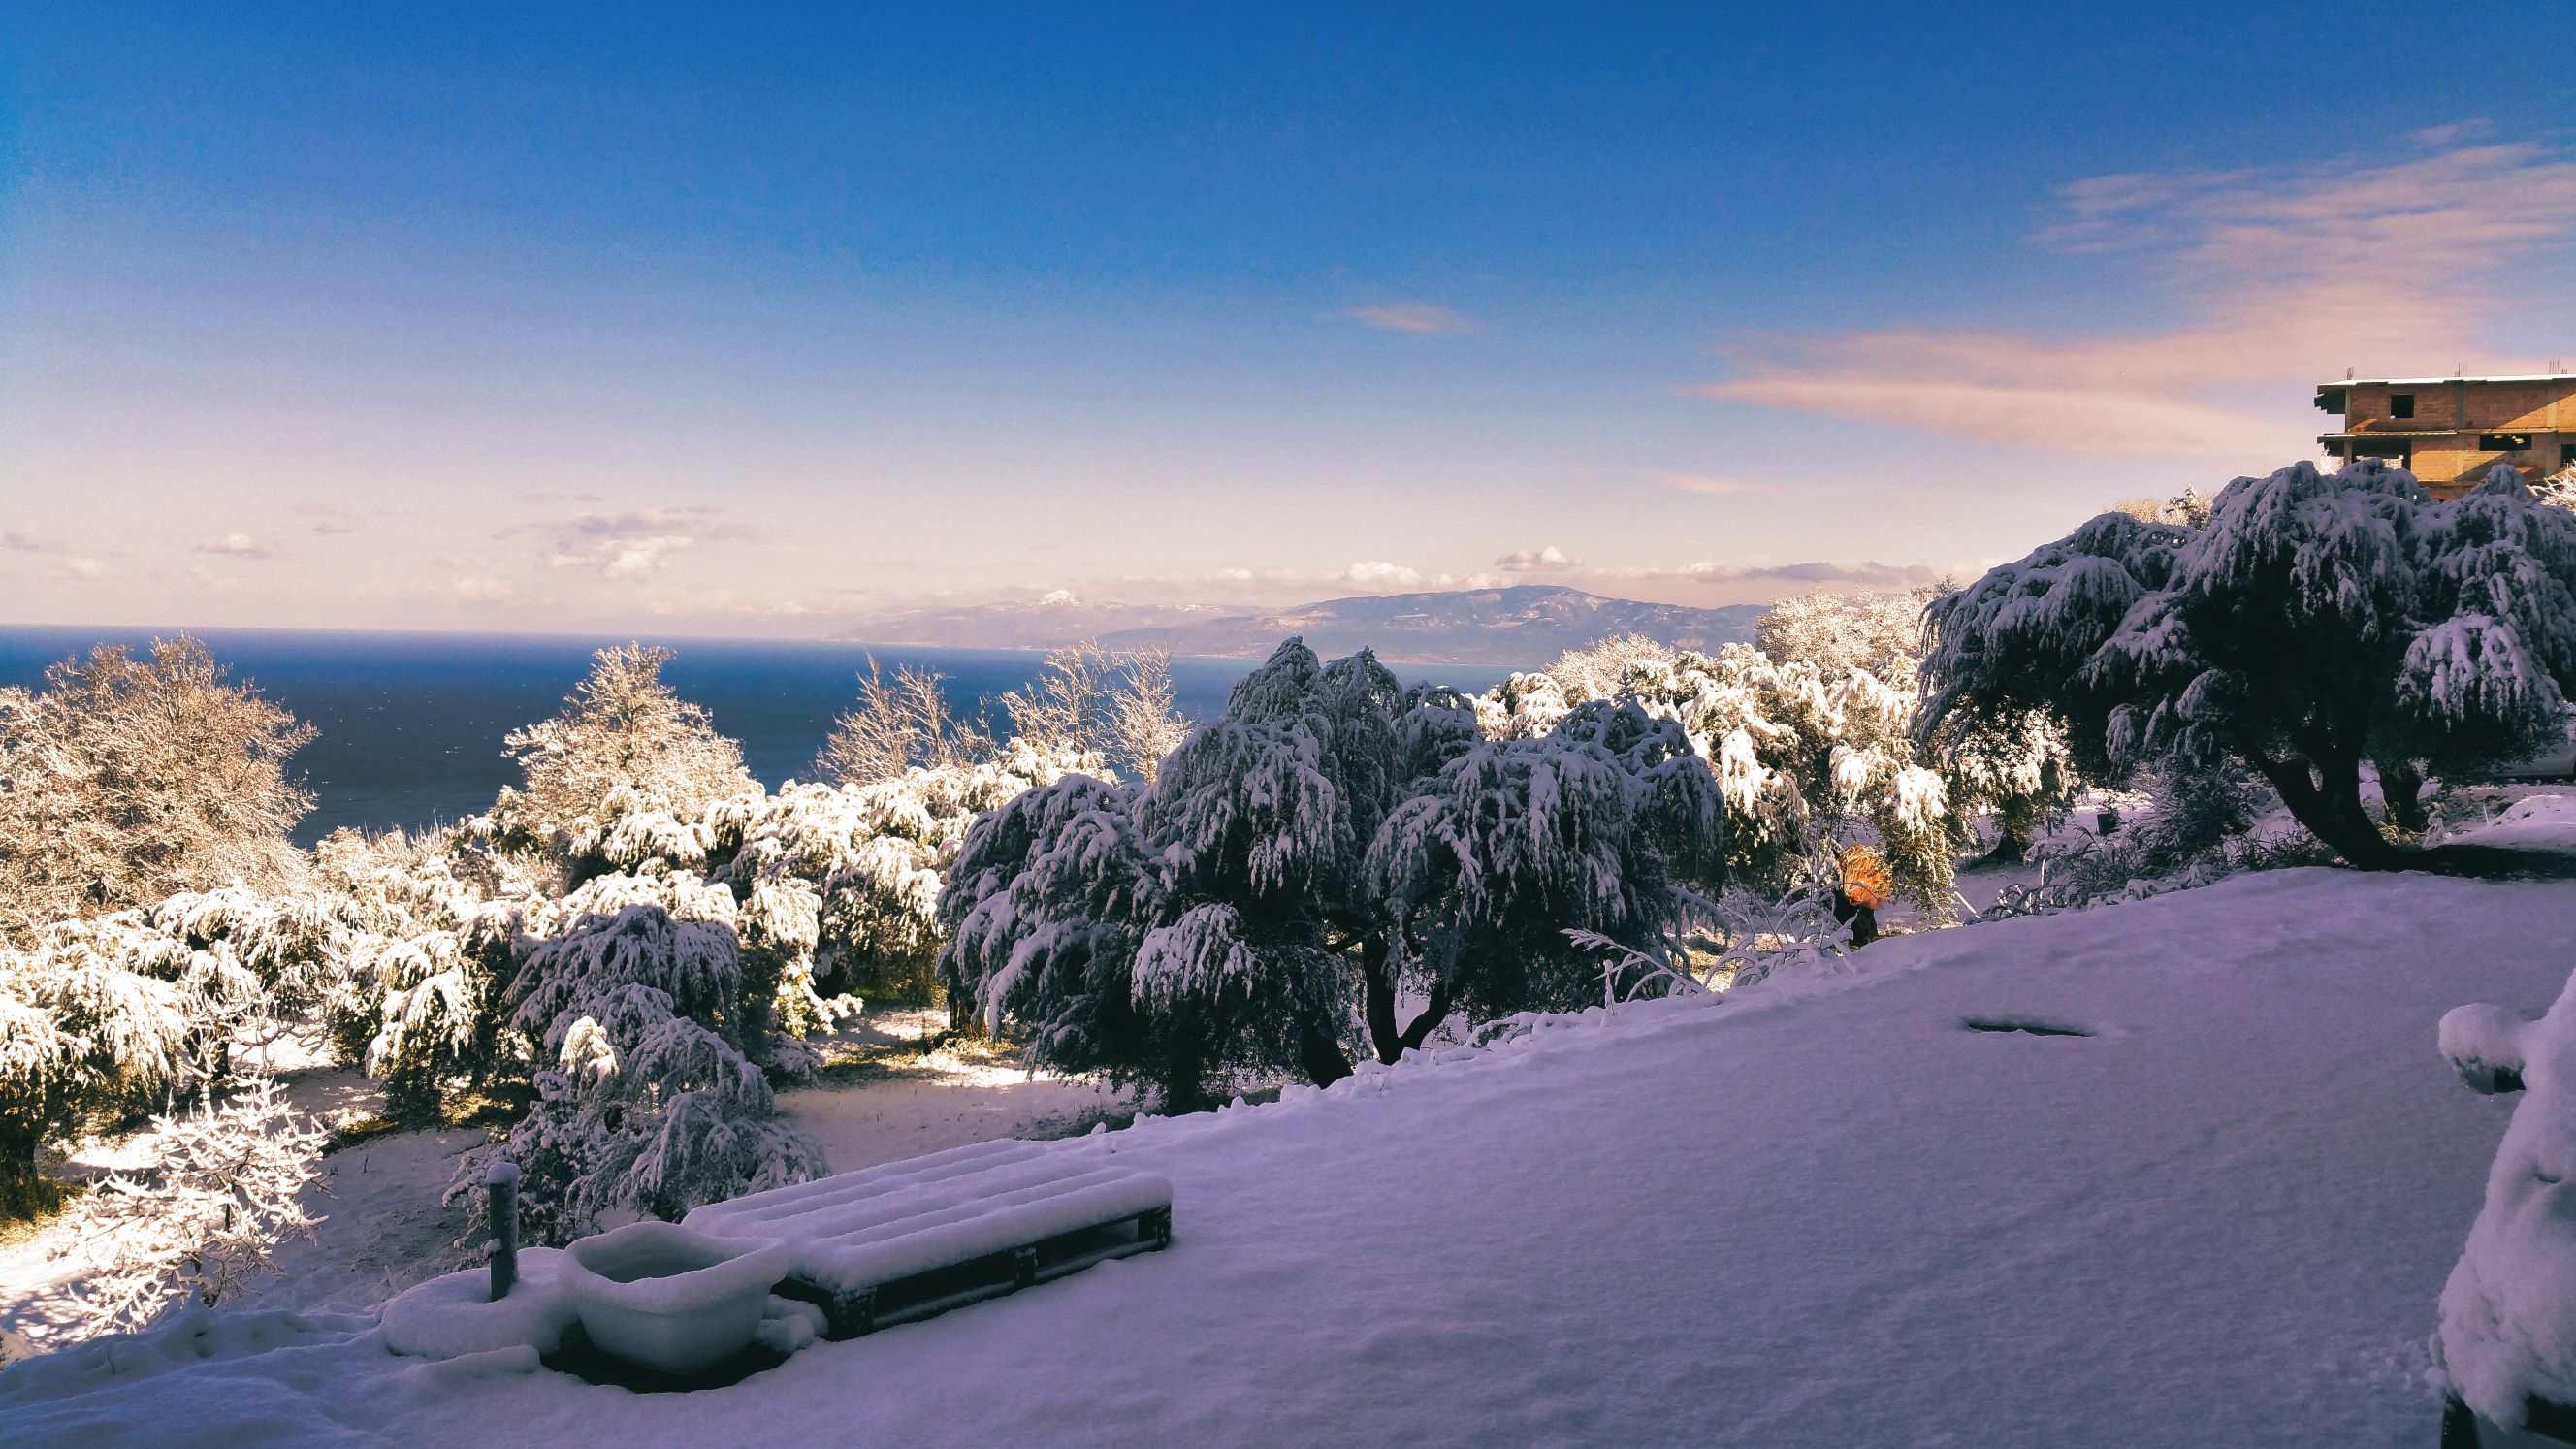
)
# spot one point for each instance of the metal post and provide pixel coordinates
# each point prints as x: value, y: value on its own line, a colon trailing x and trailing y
x: 502, y: 1183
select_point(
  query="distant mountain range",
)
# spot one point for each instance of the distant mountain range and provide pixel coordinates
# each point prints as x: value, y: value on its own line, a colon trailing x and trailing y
x: 1520, y: 627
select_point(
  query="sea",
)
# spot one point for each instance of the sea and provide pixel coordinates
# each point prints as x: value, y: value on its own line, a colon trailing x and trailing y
x: 410, y: 724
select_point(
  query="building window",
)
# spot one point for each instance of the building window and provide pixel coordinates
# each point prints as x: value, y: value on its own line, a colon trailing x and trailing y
x: 2401, y: 404
x: 2504, y: 442
x: 2397, y: 448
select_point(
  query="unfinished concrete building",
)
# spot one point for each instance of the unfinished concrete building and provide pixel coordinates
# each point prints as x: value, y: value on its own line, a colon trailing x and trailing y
x: 2448, y: 431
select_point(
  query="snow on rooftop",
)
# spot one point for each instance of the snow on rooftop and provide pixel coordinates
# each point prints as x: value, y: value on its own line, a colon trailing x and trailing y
x: 2438, y: 381
x: 1821, y: 1212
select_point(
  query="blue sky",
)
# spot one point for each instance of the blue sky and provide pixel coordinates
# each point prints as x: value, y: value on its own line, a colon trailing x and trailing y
x: 608, y: 317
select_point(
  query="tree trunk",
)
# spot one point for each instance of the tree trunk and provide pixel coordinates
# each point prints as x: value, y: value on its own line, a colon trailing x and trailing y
x: 2328, y: 803
x: 2401, y: 786
x: 1377, y: 1000
x: 1319, y: 1056
x: 1377, y: 992
x: 25, y: 1191
x: 1434, y: 1012
x: 2012, y: 842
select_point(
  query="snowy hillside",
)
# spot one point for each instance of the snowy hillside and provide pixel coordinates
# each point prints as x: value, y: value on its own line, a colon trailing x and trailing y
x: 1824, y: 1211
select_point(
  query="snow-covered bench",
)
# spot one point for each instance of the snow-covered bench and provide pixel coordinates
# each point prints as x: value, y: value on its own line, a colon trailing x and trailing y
x: 904, y: 1241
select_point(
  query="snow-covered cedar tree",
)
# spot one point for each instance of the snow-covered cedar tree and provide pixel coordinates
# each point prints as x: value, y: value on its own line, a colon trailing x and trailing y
x: 633, y: 999
x: 623, y: 737
x: 2317, y: 622
x: 127, y: 778
x: 1588, y: 828
x: 1118, y: 705
x: 205, y: 1220
x: 1326, y: 849
x: 899, y: 723
x: 1801, y: 753
x: 644, y: 1111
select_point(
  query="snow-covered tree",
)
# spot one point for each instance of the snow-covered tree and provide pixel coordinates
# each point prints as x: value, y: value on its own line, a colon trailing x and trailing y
x: 1332, y: 845
x: 634, y: 998
x: 1145, y: 722
x: 898, y: 724
x: 2014, y: 766
x: 1838, y: 631
x: 127, y: 778
x: 1111, y: 703
x: 205, y: 1221
x: 2190, y: 508
x: 1590, y: 828
x: 2315, y: 623
x: 106, y: 1018
x: 1799, y: 751
x: 623, y: 738
x: 840, y: 887
x: 641, y: 1110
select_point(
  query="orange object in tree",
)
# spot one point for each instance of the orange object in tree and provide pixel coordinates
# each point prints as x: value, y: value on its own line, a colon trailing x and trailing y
x: 1866, y: 881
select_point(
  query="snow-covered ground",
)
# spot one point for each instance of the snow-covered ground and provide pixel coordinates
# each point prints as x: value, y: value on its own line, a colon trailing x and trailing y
x: 383, y: 1228
x: 1823, y: 1211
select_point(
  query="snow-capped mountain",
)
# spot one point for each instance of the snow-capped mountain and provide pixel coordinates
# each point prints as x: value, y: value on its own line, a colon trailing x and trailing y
x: 1528, y: 625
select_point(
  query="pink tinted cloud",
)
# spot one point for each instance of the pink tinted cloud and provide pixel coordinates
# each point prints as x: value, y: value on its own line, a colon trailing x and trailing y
x: 1697, y: 483
x: 2284, y: 277
x: 1422, y: 319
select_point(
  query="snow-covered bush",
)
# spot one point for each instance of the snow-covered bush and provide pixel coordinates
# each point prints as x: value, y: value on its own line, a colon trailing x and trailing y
x: 1336, y: 841
x: 2508, y: 1315
x: 2315, y: 623
x: 127, y: 779
x: 105, y: 1018
x: 208, y: 1217
x: 2202, y: 829
x: 1596, y: 826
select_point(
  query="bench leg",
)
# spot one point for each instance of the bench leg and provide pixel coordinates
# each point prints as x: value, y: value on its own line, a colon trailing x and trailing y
x: 1155, y: 1227
x: 849, y: 1315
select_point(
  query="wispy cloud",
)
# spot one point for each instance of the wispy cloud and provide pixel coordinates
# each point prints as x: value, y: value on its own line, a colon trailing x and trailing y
x: 2285, y: 277
x: 57, y: 556
x: 232, y: 545
x: 331, y: 518
x: 1695, y: 483
x: 632, y: 543
x: 1422, y: 319
x: 1548, y: 560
